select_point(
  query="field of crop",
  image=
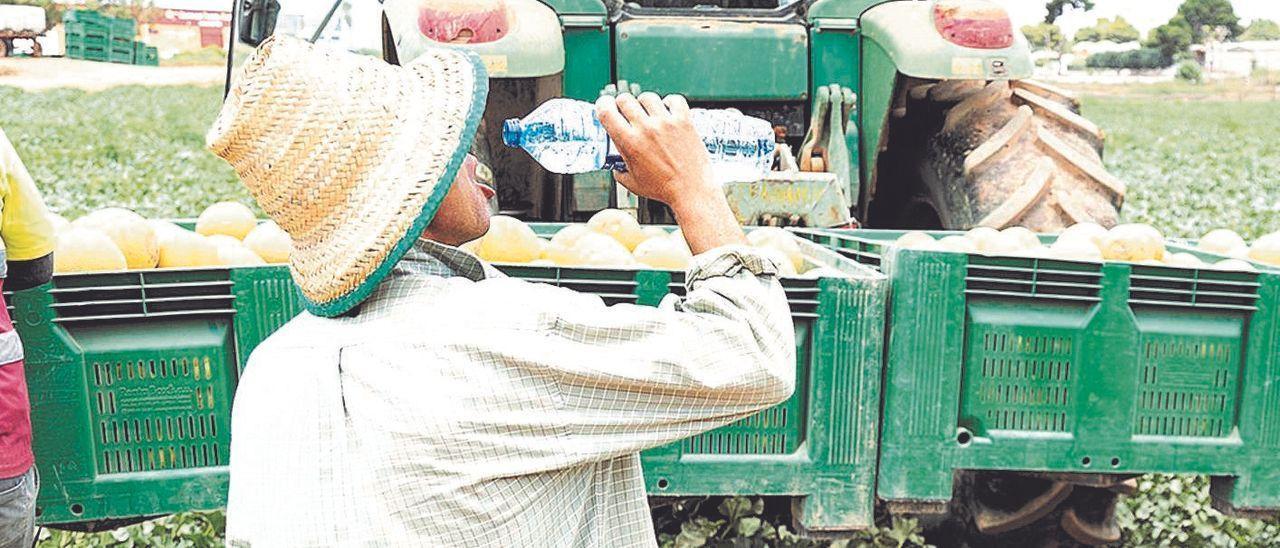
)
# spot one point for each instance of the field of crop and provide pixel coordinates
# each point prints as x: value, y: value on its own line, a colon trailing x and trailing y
x: 1191, y: 166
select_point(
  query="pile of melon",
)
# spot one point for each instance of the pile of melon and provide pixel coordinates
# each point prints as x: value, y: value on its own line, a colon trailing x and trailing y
x: 226, y: 234
x: 613, y: 238
x: 1136, y: 243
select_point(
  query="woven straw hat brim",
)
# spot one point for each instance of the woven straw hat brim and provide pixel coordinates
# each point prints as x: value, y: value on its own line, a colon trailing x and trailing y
x: 349, y: 155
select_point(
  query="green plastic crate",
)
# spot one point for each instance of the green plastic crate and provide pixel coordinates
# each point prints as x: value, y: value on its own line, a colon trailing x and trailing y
x: 145, y: 55
x: 998, y: 363
x: 76, y: 16
x: 94, y: 339
x: 120, y: 56
x: 131, y: 376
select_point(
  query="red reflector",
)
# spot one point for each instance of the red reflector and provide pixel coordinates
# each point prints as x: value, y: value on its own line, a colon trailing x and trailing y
x: 472, y: 22
x: 973, y: 24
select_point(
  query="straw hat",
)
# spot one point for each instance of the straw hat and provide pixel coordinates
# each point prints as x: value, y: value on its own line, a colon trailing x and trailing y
x: 348, y: 154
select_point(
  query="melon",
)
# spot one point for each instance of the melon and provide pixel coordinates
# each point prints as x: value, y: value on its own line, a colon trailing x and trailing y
x: 1093, y: 232
x: 1266, y: 249
x: 561, y: 249
x: 188, y: 249
x: 1075, y: 247
x: 132, y: 235
x: 1025, y: 238
x: 596, y: 249
x: 164, y: 229
x: 83, y: 249
x: 958, y: 244
x: 269, y: 242
x: 619, y: 225
x: 238, y: 255
x: 1234, y: 264
x: 1224, y: 242
x: 222, y: 240
x: 786, y: 244
x: 1183, y: 260
x: 1000, y: 243
x: 664, y: 253
x: 509, y: 240
x: 1133, y: 242
x: 230, y: 218
x: 916, y: 239
x: 542, y: 262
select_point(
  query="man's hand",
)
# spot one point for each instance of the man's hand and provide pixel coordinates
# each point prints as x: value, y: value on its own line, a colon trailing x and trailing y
x: 665, y: 156
x: 666, y: 161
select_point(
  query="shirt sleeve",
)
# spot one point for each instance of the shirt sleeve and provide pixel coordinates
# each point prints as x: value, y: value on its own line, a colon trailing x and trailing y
x: 24, y: 222
x: 633, y: 377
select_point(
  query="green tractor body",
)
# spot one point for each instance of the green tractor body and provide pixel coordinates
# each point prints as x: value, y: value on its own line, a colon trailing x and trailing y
x: 769, y: 63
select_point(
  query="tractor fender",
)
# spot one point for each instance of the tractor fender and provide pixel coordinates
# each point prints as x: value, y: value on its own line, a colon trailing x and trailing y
x: 533, y: 46
x: 906, y: 33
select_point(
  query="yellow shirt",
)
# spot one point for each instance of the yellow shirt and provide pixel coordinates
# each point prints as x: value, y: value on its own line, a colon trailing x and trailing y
x: 25, y: 230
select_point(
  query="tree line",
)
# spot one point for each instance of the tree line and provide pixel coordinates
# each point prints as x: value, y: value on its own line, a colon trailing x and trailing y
x: 1196, y: 22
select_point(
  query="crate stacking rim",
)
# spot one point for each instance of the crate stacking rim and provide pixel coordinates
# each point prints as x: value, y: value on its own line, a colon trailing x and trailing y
x: 132, y: 373
x: 1006, y: 363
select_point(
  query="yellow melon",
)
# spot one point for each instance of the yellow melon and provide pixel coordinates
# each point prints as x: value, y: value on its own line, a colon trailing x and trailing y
x: 188, y: 249
x: 1234, y: 264
x: 1077, y: 247
x: 230, y: 218
x: 1223, y: 242
x: 1183, y: 260
x: 542, y: 262
x: 1266, y: 249
x: 915, y: 239
x: 958, y: 244
x: 1025, y: 238
x: 777, y: 239
x: 665, y: 253
x: 238, y: 255
x: 619, y: 225
x: 509, y: 240
x: 269, y: 242
x: 131, y: 233
x: 222, y: 240
x: 83, y: 249
x: 1133, y: 242
x: 999, y: 243
x: 596, y: 249
x: 1089, y: 231
x: 163, y: 229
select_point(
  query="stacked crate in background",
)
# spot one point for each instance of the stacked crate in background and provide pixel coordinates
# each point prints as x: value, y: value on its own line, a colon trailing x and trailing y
x: 93, y: 36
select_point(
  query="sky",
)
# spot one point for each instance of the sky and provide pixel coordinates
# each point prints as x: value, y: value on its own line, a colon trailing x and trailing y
x: 1143, y: 14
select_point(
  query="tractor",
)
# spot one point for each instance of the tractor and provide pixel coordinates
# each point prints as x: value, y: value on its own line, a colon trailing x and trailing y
x: 894, y: 114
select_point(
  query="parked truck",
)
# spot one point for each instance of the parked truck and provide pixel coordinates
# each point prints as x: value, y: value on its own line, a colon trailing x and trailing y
x: 22, y: 24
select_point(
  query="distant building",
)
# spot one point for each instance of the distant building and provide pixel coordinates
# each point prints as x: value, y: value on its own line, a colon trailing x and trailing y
x: 178, y: 30
x: 1238, y: 58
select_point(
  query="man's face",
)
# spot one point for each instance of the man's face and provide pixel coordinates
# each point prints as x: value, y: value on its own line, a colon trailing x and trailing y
x: 464, y: 214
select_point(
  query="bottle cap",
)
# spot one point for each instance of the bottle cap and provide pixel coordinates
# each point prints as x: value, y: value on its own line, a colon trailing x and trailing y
x: 511, y: 132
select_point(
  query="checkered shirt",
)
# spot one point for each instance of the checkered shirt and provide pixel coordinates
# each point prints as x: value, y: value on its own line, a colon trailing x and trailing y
x: 459, y: 407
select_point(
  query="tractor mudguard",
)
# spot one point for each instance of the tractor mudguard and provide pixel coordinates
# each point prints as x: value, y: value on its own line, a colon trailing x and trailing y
x: 907, y: 34
x: 533, y: 45
x: 901, y: 37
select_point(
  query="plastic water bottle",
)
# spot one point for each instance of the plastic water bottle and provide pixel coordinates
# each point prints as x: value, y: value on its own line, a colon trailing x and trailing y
x: 564, y: 136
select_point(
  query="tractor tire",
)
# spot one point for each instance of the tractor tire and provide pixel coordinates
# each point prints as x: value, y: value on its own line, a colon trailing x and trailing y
x: 1003, y: 154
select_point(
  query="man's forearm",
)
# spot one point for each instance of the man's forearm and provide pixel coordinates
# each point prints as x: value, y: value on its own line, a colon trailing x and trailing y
x: 705, y: 218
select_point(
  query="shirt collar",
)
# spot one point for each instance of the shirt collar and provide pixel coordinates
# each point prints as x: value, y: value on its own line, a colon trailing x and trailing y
x: 430, y: 258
